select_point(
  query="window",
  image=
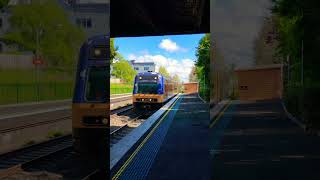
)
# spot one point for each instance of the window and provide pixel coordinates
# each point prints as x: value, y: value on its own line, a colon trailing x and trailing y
x: 96, y: 86
x: 1, y: 22
x: 84, y: 22
x: 89, y: 23
x: 243, y: 87
x: 136, y: 68
x: 146, y: 68
x: 147, y: 88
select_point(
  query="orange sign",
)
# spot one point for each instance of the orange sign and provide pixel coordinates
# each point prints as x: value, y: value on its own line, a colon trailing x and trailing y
x: 37, y: 61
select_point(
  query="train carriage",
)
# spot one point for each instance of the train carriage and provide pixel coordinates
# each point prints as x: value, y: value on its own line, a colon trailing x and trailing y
x: 91, y: 101
x: 152, y: 90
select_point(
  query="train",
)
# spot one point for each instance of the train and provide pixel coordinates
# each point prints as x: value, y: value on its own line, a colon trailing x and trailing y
x: 152, y: 90
x: 91, y: 99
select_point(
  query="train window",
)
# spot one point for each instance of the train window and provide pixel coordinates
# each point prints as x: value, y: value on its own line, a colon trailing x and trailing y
x: 147, y: 88
x: 98, y: 53
x: 96, y: 86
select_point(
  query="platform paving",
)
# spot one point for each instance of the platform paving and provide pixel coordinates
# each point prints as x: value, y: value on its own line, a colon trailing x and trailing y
x: 256, y: 141
x: 177, y: 148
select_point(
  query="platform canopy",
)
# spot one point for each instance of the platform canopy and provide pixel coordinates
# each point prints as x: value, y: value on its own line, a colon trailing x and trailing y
x: 159, y: 17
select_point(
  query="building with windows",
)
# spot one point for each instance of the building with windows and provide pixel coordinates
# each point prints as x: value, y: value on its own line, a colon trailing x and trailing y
x: 91, y: 15
x: 143, y: 66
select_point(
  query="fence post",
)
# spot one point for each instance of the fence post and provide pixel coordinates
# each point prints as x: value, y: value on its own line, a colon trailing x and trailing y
x: 55, y: 89
x: 17, y: 92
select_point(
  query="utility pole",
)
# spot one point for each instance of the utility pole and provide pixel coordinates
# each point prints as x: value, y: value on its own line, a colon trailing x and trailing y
x: 37, y: 66
x: 302, y: 63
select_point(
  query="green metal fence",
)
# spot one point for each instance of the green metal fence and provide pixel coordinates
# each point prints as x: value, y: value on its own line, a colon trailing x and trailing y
x: 121, y: 88
x: 30, y: 92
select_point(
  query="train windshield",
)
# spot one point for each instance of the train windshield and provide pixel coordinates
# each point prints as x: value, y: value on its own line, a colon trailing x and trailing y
x: 96, y: 89
x: 147, y: 88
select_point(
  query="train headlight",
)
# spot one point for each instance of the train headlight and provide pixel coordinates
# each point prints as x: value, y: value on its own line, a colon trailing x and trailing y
x: 155, y: 77
x: 140, y: 77
x: 105, y: 121
x: 97, y: 52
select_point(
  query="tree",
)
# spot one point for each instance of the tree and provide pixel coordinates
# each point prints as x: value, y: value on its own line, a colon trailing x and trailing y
x: 3, y: 3
x: 203, y: 59
x: 123, y: 70
x: 164, y: 72
x: 266, y: 43
x: 44, y: 28
x: 113, y: 50
x: 176, y: 78
x: 203, y: 65
x: 193, y: 75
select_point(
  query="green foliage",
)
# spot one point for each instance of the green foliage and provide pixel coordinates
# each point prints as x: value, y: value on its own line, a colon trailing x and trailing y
x: 193, y: 75
x: 289, y: 20
x: 176, y: 78
x: 123, y: 70
x: 54, y: 134
x: 3, y: 3
x: 203, y: 65
x: 296, y: 22
x: 164, y: 72
x: 113, y: 50
x: 203, y: 59
x: 44, y: 28
x: 121, y: 88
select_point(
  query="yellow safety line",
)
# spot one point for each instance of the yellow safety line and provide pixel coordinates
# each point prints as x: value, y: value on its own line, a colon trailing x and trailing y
x: 219, y: 116
x: 124, y: 166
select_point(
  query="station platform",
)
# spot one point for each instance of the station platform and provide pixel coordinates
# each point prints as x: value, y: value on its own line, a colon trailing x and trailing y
x: 256, y: 140
x: 176, y: 147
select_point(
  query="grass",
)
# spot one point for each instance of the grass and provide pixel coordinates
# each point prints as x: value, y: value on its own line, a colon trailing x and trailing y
x: 121, y: 88
x: 31, y: 76
x: 17, y: 86
x: 54, y: 134
x: 22, y: 86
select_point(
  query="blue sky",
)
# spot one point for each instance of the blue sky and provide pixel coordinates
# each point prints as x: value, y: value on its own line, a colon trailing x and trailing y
x: 176, y: 53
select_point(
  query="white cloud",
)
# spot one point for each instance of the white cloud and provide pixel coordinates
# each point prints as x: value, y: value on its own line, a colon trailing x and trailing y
x: 132, y: 57
x: 182, y: 68
x: 170, y: 46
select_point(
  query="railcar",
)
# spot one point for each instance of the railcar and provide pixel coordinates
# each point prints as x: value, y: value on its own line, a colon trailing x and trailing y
x: 91, y: 100
x: 152, y: 90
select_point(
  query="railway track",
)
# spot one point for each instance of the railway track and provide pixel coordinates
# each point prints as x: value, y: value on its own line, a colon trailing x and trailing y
x: 31, y: 152
x: 45, y: 156
x: 117, y: 134
x: 55, y: 157
x: 8, y: 130
x: 40, y: 155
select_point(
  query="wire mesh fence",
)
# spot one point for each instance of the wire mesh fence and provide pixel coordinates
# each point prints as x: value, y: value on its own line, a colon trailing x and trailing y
x: 29, y: 92
x: 35, y: 84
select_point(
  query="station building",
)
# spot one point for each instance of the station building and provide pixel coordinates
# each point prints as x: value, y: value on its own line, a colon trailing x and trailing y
x: 143, y: 66
x: 260, y: 82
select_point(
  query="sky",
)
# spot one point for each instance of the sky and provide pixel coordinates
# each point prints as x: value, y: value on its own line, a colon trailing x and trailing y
x: 234, y: 25
x: 176, y: 53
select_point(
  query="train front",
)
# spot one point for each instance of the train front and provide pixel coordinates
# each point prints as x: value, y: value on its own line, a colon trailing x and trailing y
x: 90, y: 109
x: 148, y: 92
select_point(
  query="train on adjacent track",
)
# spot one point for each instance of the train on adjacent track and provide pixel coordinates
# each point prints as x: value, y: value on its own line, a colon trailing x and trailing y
x: 152, y: 90
x: 91, y: 100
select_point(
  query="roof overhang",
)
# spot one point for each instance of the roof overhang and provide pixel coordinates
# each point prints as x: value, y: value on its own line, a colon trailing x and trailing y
x: 159, y: 17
